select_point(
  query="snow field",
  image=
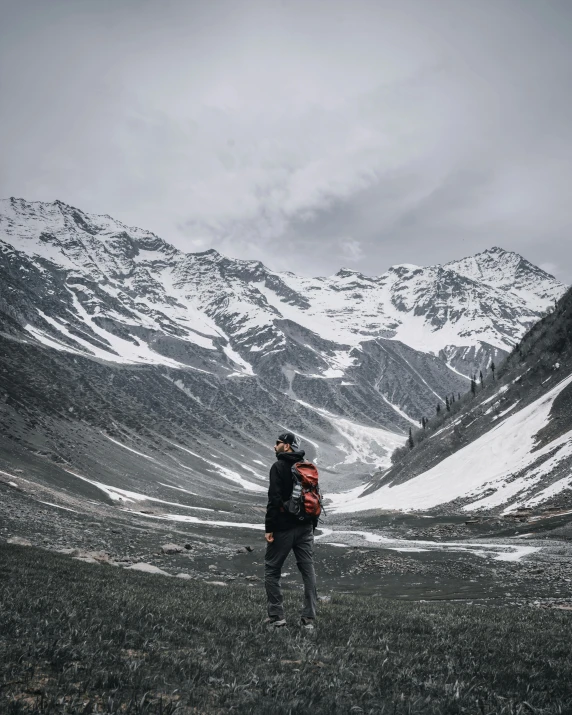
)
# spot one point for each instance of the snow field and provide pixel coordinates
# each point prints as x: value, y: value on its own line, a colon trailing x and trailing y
x: 485, y: 464
x: 499, y: 552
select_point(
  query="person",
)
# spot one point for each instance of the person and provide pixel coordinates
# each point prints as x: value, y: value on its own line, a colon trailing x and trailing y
x: 284, y: 533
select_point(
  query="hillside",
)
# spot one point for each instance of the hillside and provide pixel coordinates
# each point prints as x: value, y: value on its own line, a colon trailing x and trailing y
x: 131, y: 370
x: 507, y: 447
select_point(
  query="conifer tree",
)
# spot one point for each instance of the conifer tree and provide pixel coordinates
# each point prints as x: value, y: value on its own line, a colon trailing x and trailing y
x: 410, y: 441
x: 438, y: 408
x: 493, y: 368
x: 481, y: 378
x: 459, y: 396
x: 452, y: 398
x: 447, y: 404
x: 473, y: 385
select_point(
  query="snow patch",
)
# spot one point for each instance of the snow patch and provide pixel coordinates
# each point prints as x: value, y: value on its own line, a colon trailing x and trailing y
x: 485, y: 464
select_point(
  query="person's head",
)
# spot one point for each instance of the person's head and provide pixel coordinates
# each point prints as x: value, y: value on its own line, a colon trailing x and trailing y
x: 286, y: 442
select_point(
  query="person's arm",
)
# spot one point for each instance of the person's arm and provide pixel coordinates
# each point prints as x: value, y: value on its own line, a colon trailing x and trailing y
x: 274, y: 500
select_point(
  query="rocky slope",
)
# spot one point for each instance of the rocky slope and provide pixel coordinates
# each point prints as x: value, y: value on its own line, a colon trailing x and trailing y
x: 507, y: 448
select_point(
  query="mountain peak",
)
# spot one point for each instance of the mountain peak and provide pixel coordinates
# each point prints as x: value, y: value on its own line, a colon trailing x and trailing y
x: 209, y: 252
x: 401, y: 268
x: 347, y: 272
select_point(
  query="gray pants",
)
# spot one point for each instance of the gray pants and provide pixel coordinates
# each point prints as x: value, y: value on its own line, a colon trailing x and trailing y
x: 299, y: 539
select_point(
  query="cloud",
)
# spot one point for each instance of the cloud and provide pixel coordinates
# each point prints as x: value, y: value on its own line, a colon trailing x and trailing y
x: 551, y: 268
x: 351, y: 249
x: 375, y: 132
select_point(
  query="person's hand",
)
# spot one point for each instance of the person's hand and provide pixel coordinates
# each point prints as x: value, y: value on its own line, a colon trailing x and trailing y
x: 269, y: 537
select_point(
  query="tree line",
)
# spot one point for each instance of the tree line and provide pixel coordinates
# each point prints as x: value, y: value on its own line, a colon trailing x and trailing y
x: 450, y: 405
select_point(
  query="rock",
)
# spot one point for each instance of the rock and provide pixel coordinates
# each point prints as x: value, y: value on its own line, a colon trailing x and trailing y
x: 188, y: 547
x: 147, y: 568
x: 183, y: 575
x: 85, y: 559
x: 216, y: 583
x: 242, y: 550
x: 19, y: 541
x: 70, y: 552
x: 213, y: 567
x: 324, y: 599
x: 249, y: 548
x: 171, y: 549
x: 101, y: 556
x: 252, y: 578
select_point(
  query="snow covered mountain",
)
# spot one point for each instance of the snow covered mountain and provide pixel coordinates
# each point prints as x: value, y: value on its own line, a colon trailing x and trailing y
x: 131, y: 297
x: 109, y: 328
x: 506, y: 448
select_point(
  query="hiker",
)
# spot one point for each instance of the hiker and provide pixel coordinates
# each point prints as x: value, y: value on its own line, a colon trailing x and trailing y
x: 286, y: 531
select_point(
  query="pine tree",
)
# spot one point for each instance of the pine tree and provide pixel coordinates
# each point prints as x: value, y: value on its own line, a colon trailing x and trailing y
x: 459, y: 396
x: 410, y: 441
x: 473, y: 385
x: 447, y: 404
x: 493, y: 368
x: 452, y: 398
x: 482, y: 378
x: 438, y: 408
x: 424, y: 421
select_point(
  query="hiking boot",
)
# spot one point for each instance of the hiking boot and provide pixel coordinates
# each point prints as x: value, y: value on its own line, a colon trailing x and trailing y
x: 275, y: 622
x: 307, y: 623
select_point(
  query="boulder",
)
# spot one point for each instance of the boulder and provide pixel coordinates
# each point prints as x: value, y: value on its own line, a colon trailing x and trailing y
x: 70, y: 552
x: 86, y: 559
x: 183, y: 575
x: 19, y: 540
x: 101, y: 556
x: 171, y: 549
x: 147, y: 568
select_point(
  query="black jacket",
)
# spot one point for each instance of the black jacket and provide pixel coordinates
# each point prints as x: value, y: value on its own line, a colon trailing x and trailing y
x: 280, y: 490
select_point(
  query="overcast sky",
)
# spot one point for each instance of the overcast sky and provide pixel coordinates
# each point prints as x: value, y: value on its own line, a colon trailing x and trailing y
x: 309, y: 134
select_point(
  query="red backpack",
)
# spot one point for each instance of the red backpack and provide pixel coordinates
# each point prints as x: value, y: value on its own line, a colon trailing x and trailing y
x: 306, y: 500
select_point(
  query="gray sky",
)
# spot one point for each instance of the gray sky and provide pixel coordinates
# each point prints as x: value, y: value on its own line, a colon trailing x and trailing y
x: 309, y: 134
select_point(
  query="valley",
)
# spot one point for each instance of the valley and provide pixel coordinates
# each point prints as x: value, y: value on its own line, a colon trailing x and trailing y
x: 524, y: 560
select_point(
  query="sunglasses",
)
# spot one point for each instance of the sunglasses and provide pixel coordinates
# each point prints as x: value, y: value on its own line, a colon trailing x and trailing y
x: 279, y: 441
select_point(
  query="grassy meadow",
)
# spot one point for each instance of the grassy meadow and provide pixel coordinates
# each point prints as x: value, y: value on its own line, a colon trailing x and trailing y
x: 82, y: 638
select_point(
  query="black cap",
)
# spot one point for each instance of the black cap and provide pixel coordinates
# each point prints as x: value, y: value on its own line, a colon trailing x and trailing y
x: 289, y: 438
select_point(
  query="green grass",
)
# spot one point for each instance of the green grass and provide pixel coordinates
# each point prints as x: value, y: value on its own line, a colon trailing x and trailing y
x: 80, y: 638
